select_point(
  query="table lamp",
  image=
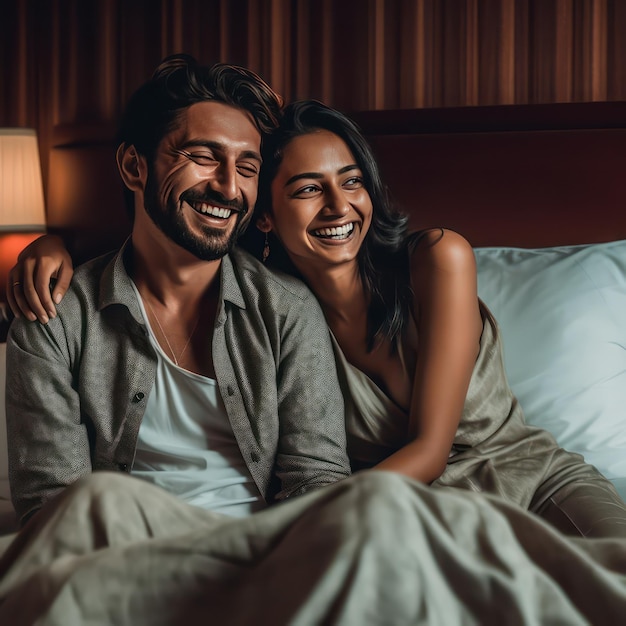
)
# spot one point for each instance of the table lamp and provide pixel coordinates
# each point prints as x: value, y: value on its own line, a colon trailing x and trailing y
x: 22, y: 213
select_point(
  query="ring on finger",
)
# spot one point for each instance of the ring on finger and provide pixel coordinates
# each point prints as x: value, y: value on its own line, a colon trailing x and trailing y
x: 16, y: 283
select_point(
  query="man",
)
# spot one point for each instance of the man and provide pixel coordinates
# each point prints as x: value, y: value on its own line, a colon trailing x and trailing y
x: 181, y: 359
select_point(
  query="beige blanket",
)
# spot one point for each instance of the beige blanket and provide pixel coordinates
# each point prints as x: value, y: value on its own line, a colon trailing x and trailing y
x: 372, y: 549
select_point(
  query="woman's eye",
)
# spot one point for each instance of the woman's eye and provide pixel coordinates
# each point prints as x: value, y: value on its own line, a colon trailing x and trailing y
x: 306, y: 190
x: 354, y: 182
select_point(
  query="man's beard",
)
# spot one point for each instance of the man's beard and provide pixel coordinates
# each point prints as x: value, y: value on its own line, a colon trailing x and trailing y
x: 214, y: 243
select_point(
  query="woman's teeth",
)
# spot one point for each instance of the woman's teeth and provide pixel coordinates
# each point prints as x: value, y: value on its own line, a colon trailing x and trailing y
x: 213, y: 211
x: 340, y: 232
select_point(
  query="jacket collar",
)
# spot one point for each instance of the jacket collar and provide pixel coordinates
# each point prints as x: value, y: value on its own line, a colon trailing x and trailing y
x: 116, y: 285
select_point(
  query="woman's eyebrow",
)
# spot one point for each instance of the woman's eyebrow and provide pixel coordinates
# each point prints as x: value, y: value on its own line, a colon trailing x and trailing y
x: 318, y: 176
x: 314, y: 175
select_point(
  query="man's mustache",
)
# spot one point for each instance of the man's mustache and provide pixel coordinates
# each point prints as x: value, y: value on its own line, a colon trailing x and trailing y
x: 216, y: 199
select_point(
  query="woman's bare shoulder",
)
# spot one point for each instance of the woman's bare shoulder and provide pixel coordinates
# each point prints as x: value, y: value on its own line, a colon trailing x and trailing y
x: 444, y: 250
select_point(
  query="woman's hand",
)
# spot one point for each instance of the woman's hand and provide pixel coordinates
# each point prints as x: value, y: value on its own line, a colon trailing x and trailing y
x: 28, y: 285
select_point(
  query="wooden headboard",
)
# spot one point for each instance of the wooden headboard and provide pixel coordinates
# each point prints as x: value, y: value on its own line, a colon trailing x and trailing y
x: 529, y: 176
x: 85, y: 201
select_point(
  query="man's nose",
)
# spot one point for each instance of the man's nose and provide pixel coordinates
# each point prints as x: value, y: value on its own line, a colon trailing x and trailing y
x: 225, y: 181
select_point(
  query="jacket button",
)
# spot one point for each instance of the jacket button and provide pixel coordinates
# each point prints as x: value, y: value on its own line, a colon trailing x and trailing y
x: 139, y: 396
x: 255, y: 457
x: 230, y: 391
x: 123, y: 467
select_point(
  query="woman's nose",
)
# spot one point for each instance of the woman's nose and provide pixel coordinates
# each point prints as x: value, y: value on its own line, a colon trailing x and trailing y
x: 337, y: 202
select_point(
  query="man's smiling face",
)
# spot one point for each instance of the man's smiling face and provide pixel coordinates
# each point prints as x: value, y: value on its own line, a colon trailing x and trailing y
x: 202, y: 185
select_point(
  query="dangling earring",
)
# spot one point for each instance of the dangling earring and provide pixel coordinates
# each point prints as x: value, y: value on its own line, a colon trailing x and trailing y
x: 266, y: 249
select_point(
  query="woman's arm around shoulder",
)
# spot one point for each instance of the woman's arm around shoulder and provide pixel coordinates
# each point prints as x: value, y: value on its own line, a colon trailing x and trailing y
x: 28, y: 284
x: 449, y: 326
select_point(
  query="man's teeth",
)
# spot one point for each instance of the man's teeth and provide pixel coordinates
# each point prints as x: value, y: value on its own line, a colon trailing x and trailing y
x: 214, y: 211
x: 340, y: 232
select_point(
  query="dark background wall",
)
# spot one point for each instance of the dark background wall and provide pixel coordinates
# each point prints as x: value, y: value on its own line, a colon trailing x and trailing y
x: 68, y: 66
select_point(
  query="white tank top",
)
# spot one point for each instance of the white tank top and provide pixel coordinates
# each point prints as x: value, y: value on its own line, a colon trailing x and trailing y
x: 186, y: 444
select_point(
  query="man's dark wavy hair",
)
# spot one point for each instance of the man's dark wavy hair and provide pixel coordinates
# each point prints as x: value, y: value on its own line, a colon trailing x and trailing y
x: 180, y: 81
x: 383, y: 256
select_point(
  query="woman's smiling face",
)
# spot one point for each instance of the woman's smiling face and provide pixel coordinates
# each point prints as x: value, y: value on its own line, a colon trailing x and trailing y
x: 321, y: 210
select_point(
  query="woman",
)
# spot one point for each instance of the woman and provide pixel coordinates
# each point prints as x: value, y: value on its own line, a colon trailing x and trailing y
x: 419, y: 355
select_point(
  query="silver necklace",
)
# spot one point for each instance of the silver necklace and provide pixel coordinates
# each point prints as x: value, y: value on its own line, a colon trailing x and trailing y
x: 169, y: 345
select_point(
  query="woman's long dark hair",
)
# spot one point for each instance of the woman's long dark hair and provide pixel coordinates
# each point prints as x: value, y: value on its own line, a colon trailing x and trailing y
x: 382, y: 259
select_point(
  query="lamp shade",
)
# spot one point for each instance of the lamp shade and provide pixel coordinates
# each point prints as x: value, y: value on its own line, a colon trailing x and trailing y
x: 21, y: 190
x: 22, y: 212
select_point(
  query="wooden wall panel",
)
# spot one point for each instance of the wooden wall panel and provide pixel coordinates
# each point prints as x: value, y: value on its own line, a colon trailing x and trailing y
x: 616, y: 51
x: 356, y: 54
x: 69, y: 62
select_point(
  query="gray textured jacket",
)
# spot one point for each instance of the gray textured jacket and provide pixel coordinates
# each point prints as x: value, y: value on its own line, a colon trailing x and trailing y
x: 77, y: 387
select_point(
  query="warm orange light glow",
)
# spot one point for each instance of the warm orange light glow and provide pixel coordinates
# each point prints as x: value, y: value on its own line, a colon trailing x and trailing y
x: 10, y: 247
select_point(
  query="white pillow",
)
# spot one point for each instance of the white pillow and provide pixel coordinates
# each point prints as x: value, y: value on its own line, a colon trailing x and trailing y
x: 562, y: 313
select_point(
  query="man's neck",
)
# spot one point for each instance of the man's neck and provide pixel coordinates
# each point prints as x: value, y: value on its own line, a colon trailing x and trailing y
x: 172, y: 275
x: 181, y: 298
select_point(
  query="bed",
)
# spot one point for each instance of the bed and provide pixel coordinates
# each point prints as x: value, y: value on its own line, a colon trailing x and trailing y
x: 538, y: 191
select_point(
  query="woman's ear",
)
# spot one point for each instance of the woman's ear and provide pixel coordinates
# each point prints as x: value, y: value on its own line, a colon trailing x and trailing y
x: 264, y: 224
x: 131, y: 166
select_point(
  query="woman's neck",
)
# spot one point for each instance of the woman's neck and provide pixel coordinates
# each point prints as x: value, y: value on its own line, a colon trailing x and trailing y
x: 340, y: 291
